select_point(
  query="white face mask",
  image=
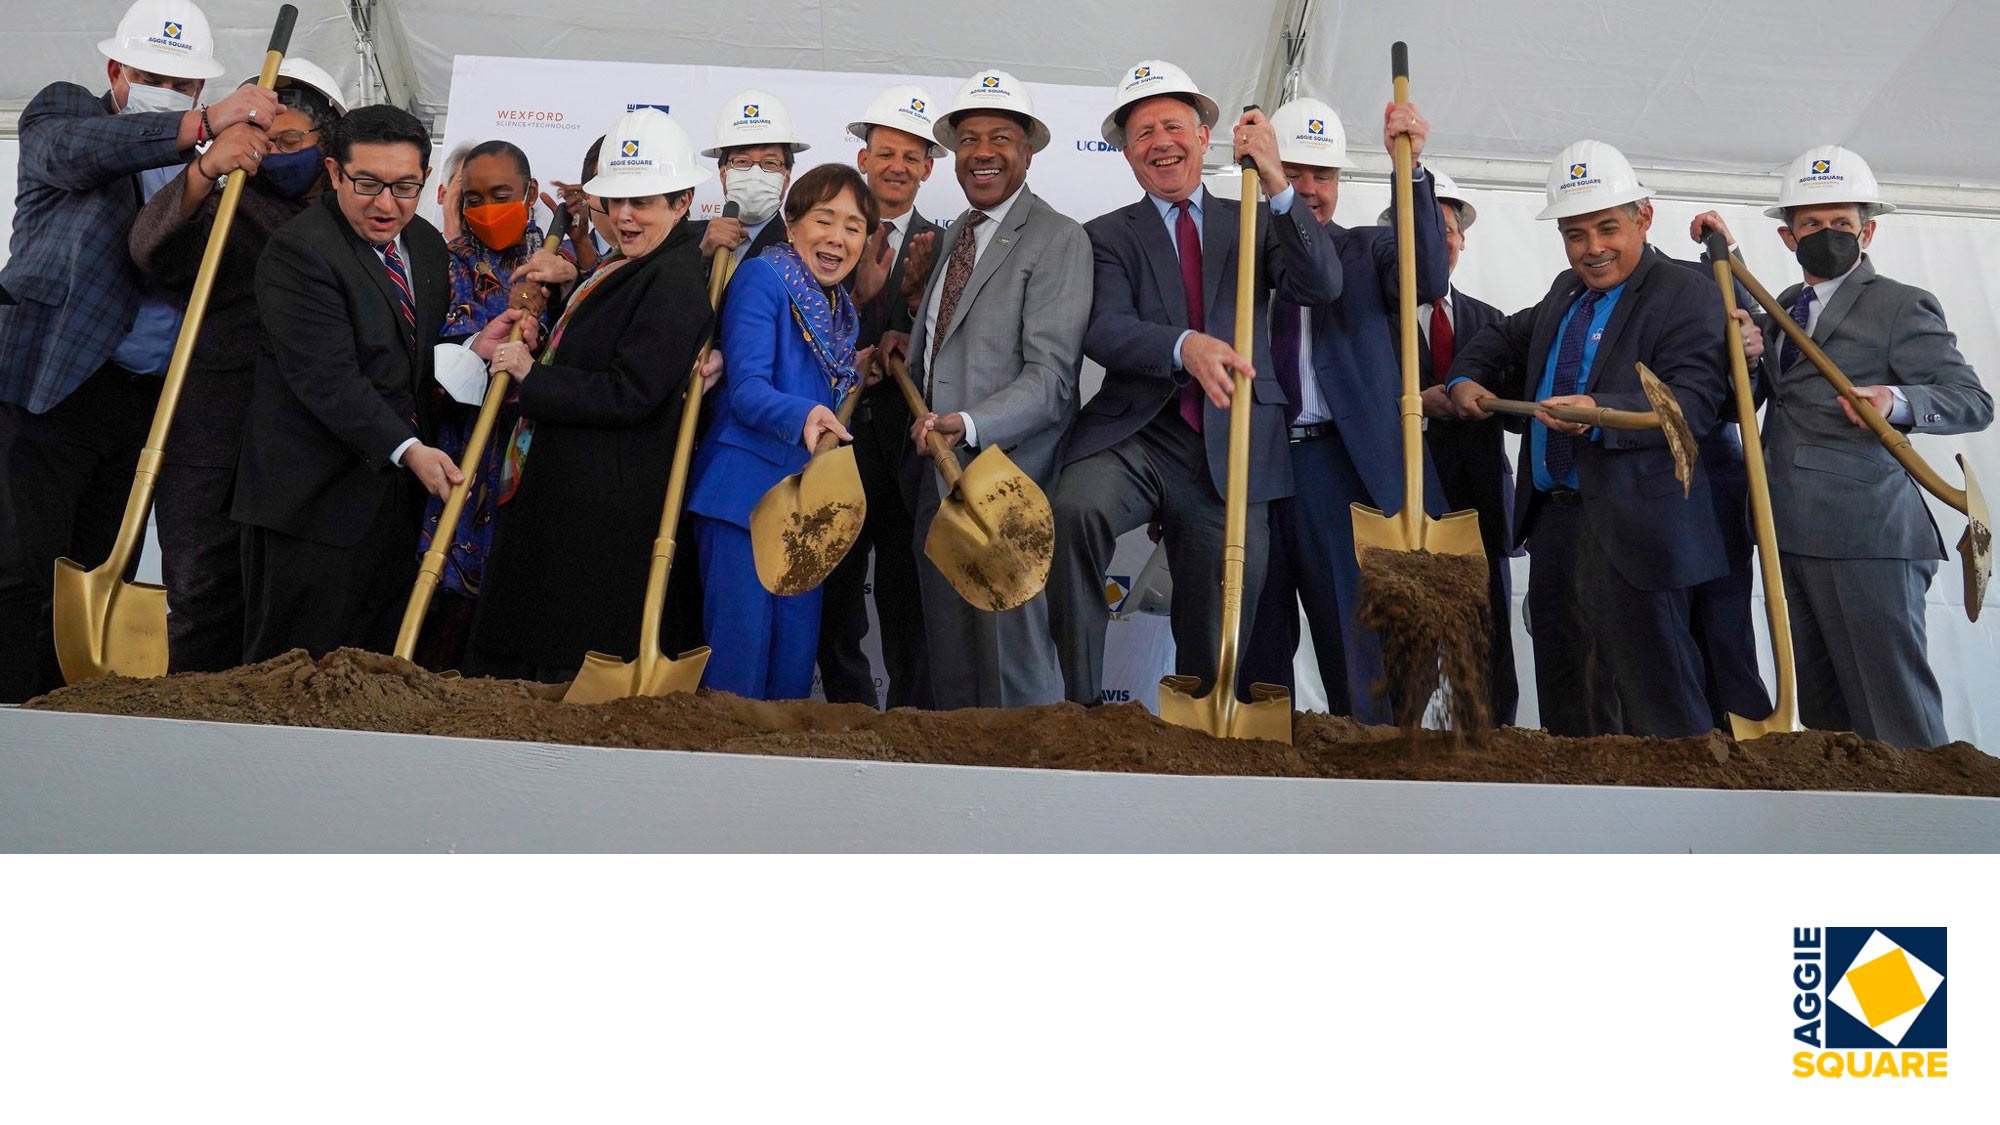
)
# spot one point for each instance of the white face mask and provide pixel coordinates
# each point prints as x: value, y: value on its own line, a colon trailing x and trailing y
x: 755, y: 193
x: 155, y: 99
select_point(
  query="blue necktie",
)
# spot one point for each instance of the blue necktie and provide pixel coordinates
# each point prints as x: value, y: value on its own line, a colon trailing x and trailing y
x: 1557, y: 453
x: 1801, y: 312
x: 1286, y: 328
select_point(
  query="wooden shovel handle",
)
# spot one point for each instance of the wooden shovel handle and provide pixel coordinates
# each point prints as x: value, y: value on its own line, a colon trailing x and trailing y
x: 1588, y: 415
x: 938, y: 448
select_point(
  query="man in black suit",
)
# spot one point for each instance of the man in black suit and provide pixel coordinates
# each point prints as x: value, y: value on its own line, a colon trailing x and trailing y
x: 755, y: 150
x: 1470, y: 454
x: 352, y: 295
x: 896, y: 156
x: 1617, y: 549
x: 1153, y: 443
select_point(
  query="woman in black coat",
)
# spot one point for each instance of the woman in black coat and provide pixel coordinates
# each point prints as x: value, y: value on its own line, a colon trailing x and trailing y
x: 587, y: 470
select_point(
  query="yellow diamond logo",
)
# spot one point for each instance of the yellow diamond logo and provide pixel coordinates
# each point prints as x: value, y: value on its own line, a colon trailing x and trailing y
x: 1821, y: 167
x: 1885, y: 988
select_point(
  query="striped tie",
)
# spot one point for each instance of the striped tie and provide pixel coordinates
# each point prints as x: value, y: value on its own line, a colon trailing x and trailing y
x: 394, y: 262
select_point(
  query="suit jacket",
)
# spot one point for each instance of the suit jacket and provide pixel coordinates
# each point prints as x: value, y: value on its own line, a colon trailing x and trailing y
x: 1483, y: 441
x: 1138, y: 310
x: 573, y: 545
x: 340, y: 381
x: 1827, y: 473
x: 1354, y: 345
x: 1670, y: 320
x: 1012, y: 352
x: 771, y: 383
x: 888, y: 312
x: 168, y: 248
x: 75, y: 285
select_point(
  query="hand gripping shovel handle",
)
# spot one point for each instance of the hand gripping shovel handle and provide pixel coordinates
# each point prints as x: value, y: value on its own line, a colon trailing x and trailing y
x: 1588, y: 415
x: 934, y: 443
x: 828, y: 440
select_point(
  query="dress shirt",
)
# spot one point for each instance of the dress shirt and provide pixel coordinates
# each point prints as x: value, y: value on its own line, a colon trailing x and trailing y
x: 750, y: 235
x: 1538, y: 436
x: 982, y: 237
x: 1281, y: 203
x: 403, y: 256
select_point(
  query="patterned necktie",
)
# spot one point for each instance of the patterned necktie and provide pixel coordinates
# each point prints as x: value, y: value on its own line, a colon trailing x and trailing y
x: 1442, y: 342
x: 394, y: 262
x: 1187, y: 241
x: 1801, y: 312
x: 1559, y: 455
x: 1286, y: 328
x: 957, y: 271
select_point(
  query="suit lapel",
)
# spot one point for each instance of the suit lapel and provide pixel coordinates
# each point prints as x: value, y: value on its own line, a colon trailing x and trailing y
x: 1621, y: 314
x: 1159, y: 253
x: 1220, y: 220
x: 377, y: 270
x: 947, y: 241
x: 997, y: 251
x: 1843, y: 299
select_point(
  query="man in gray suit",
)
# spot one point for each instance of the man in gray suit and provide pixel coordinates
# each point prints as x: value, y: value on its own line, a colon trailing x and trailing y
x: 1153, y: 444
x: 996, y: 344
x: 1857, y: 544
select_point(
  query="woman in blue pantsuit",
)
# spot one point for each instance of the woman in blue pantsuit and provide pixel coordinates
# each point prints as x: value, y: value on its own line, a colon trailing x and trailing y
x: 788, y: 330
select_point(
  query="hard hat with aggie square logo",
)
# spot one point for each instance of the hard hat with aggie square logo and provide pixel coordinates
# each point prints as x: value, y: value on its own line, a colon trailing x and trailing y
x: 754, y: 117
x: 646, y: 153
x: 1830, y: 174
x: 167, y: 37
x: 905, y: 108
x: 1309, y: 132
x: 1590, y: 176
x: 998, y: 91
x: 1150, y: 79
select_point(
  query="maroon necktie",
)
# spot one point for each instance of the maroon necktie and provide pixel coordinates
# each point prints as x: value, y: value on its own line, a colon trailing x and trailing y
x: 404, y: 302
x: 1441, y: 342
x: 1187, y: 240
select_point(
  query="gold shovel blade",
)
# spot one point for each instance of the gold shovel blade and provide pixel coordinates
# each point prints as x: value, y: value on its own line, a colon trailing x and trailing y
x: 1268, y: 715
x: 1455, y: 533
x: 994, y: 536
x: 604, y: 677
x: 105, y: 625
x: 806, y: 524
x: 1975, y: 547
x: 1750, y: 730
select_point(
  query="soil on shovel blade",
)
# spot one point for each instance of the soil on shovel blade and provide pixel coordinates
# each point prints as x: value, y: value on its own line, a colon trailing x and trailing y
x: 365, y: 691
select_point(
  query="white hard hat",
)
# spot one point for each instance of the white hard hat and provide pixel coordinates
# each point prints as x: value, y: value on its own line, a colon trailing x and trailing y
x: 993, y: 90
x: 646, y: 153
x: 907, y: 108
x: 304, y: 73
x: 1830, y: 174
x: 1309, y: 132
x: 168, y: 37
x: 1447, y: 192
x: 1150, y: 79
x: 754, y: 117
x: 1590, y: 176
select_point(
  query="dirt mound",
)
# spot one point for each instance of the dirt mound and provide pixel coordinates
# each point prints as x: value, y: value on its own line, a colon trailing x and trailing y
x: 365, y: 691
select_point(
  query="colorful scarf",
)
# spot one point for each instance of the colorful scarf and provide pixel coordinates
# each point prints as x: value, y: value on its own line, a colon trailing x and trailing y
x: 524, y: 430
x: 479, y: 276
x: 825, y: 315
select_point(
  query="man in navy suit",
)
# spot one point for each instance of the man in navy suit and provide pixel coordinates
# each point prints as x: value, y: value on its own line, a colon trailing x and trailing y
x: 1469, y: 454
x: 1337, y: 366
x: 83, y: 344
x: 1153, y: 443
x: 1617, y: 548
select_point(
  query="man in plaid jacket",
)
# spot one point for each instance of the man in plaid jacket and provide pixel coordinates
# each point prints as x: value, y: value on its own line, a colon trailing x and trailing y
x: 82, y: 346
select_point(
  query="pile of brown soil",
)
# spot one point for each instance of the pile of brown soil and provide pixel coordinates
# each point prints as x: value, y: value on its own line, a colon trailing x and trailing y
x: 1431, y: 614
x: 364, y: 691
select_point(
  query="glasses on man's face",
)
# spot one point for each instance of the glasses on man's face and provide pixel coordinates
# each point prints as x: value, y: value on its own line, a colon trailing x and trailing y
x: 369, y: 185
x: 770, y: 163
x: 292, y: 140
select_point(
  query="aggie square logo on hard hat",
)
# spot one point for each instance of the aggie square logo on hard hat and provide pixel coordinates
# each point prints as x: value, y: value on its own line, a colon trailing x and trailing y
x: 1822, y: 167
x: 1315, y: 126
x: 916, y: 105
x: 1579, y: 170
x: 629, y: 148
x: 170, y: 37
x: 172, y: 30
x: 1873, y: 999
x: 990, y: 82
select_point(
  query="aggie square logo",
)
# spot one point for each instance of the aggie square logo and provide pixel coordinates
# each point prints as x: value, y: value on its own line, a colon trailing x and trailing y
x: 1872, y: 998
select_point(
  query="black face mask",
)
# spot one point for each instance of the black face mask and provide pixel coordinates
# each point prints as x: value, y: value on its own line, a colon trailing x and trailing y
x: 1829, y: 253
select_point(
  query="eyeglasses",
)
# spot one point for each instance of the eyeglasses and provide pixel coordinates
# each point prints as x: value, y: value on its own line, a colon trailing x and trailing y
x: 369, y: 185
x: 769, y: 163
x: 292, y: 140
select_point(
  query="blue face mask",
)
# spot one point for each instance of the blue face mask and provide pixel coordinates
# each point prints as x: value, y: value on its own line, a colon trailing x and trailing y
x: 292, y: 174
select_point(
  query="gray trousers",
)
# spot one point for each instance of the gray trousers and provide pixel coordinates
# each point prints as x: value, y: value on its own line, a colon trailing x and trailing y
x: 1158, y: 474
x: 1859, y: 646
x: 975, y: 657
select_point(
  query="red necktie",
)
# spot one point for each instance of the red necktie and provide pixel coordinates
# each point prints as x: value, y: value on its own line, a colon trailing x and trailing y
x: 1441, y: 342
x: 394, y: 263
x: 1187, y: 240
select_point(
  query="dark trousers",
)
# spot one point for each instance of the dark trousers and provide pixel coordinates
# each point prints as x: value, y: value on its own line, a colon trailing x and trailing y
x: 1858, y: 631
x: 1159, y: 473
x: 1720, y: 619
x: 303, y: 594
x: 64, y: 479
x: 201, y: 562
x: 1312, y: 562
x: 881, y: 431
x: 1610, y: 658
x: 1475, y: 477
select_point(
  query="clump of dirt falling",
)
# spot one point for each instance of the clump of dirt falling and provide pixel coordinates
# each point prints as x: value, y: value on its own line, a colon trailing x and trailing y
x: 1431, y: 614
x: 356, y: 690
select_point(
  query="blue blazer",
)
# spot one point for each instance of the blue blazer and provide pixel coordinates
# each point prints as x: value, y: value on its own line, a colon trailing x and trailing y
x: 772, y: 381
x: 1671, y: 320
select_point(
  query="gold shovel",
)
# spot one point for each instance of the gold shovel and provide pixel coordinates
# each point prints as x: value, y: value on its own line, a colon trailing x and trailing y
x: 604, y: 676
x: 1457, y: 533
x: 468, y: 469
x: 1665, y: 416
x: 1269, y: 713
x: 1975, y: 547
x: 807, y: 522
x: 104, y: 624
x: 994, y: 535
x: 1784, y: 718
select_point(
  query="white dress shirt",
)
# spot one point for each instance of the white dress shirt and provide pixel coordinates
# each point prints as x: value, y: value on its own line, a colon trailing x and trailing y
x: 982, y: 237
x: 403, y: 256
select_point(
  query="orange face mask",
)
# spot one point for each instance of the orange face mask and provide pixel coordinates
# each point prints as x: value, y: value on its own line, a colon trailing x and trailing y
x: 498, y: 225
